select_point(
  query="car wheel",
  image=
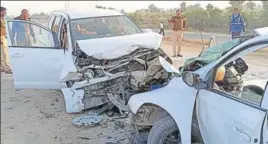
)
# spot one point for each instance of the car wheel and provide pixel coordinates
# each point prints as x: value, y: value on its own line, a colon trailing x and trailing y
x: 165, y: 131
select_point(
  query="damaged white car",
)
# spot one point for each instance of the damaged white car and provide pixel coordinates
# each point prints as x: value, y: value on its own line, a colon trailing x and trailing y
x: 98, y: 58
x: 221, y: 98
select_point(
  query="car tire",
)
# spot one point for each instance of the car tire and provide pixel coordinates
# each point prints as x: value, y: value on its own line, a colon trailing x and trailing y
x: 161, y: 129
x: 166, y: 125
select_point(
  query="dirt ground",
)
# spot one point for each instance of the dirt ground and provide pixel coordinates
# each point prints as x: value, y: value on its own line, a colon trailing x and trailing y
x: 38, y: 116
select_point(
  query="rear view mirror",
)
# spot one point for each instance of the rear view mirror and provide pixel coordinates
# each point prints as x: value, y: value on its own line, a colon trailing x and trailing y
x: 189, y: 78
x: 193, y: 80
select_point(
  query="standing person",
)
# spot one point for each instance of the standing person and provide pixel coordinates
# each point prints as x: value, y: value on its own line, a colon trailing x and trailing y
x: 162, y: 28
x: 24, y: 32
x: 178, y: 26
x: 237, y: 24
x: 5, y: 67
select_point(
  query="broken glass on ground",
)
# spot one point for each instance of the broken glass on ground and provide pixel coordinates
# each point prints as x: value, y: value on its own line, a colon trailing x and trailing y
x: 89, y: 120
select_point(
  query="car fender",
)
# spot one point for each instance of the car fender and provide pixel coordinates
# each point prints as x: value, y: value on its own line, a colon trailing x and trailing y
x: 177, y: 98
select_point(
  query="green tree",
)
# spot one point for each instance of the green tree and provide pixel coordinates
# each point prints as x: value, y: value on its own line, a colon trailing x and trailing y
x: 264, y: 12
x: 196, y: 16
x: 212, y: 18
x: 153, y: 9
x: 250, y: 6
x: 237, y: 4
x: 183, y: 7
x: 111, y: 8
x: 209, y: 7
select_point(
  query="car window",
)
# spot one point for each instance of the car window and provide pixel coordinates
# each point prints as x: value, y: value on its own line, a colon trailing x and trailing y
x: 100, y: 27
x: 27, y: 34
x: 51, y: 20
x: 245, y: 77
x: 64, y: 35
x: 56, y: 24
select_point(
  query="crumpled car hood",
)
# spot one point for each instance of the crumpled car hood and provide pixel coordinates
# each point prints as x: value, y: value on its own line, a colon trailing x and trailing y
x: 114, y: 47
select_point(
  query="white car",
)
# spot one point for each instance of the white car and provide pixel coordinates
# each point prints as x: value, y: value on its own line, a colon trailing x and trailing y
x: 96, y: 57
x: 201, y: 106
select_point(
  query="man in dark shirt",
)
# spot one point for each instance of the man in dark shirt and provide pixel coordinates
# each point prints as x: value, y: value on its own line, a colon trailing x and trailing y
x: 23, y: 31
x: 178, y: 26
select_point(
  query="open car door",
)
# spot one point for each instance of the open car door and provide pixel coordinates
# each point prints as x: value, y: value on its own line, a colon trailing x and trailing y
x: 36, y: 56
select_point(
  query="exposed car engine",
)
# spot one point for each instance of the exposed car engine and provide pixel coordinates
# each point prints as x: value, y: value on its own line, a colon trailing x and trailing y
x: 110, y: 82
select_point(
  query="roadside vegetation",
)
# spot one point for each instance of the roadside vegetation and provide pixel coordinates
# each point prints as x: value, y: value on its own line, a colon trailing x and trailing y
x: 211, y: 18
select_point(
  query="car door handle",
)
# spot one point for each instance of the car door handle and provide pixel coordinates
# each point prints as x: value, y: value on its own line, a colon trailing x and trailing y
x: 243, y: 134
x: 17, y: 55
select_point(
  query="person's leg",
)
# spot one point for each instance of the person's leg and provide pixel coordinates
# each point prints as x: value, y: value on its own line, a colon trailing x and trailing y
x: 180, y: 35
x: 5, y: 55
x: 234, y: 34
x: 238, y: 33
x: 20, y: 39
x: 28, y: 39
x: 174, y: 42
x: 3, y: 67
x: 163, y: 32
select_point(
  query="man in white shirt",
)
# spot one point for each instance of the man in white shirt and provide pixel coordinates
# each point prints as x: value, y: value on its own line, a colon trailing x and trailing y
x: 162, y: 28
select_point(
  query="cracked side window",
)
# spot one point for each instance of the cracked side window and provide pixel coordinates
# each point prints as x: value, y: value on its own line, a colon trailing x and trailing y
x: 245, y: 77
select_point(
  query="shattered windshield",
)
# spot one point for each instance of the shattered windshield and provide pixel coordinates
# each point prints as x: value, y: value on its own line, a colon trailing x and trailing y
x: 101, y: 27
x: 210, y: 54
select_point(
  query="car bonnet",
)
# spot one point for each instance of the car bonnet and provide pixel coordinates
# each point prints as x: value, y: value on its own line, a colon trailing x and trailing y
x: 114, y: 47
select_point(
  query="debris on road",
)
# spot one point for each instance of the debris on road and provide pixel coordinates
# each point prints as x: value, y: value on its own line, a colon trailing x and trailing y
x: 115, y: 140
x: 89, y: 120
x: 85, y: 138
x: 47, y: 115
x: 138, y: 138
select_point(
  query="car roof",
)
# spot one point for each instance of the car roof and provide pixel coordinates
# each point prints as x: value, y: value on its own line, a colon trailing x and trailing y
x: 261, y: 31
x: 78, y: 14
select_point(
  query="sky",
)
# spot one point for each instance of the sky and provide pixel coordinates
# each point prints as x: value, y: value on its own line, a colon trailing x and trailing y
x: 14, y: 7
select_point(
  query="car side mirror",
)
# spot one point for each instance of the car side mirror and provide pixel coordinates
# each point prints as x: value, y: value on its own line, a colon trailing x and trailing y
x: 147, y: 30
x: 193, y: 80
